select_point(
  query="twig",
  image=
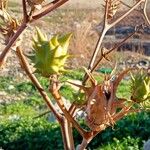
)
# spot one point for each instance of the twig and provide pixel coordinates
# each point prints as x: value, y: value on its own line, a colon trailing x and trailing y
x: 48, y: 8
x: 91, y: 135
x: 55, y: 93
x: 98, y: 44
x: 41, y: 115
x: 3, y: 55
x: 127, y: 13
x: 145, y: 13
x: 68, y: 143
x: 106, y: 13
x: 121, y: 114
x: 70, y: 134
x: 111, y: 50
x: 25, y: 15
x: 83, y: 145
x: 129, y: 6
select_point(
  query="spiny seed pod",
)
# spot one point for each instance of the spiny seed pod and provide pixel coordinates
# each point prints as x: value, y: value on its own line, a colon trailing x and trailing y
x: 49, y: 56
x: 140, y: 87
x: 3, y: 4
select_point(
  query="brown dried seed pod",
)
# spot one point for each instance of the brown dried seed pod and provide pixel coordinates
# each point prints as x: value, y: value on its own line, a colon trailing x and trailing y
x: 113, y: 6
x: 3, y: 4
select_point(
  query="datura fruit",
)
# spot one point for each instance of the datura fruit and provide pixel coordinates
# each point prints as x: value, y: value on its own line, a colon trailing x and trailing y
x: 140, y: 87
x: 49, y: 56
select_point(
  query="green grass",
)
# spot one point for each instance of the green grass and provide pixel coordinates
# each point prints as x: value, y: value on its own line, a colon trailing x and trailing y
x: 124, y: 144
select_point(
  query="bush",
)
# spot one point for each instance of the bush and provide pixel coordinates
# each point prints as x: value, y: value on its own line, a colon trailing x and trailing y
x: 125, y: 144
x: 28, y: 133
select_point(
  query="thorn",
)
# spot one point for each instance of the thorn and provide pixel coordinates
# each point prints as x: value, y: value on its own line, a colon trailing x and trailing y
x: 103, y: 53
x: 78, y: 85
x: 93, y: 81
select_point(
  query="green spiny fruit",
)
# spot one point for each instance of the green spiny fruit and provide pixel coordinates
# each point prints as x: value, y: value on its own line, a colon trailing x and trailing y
x: 146, y: 104
x: 49, y: 56
x: 140, y: 87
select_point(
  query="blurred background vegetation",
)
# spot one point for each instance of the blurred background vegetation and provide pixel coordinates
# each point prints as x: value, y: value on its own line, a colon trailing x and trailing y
x: 20, y: 103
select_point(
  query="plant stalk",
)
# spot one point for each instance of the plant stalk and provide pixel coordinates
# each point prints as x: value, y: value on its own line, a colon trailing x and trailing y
x: 25, y: 65
x: 67, y: 135
x: 53, y: 5
x: 55, y: 93
x: 65, y: 125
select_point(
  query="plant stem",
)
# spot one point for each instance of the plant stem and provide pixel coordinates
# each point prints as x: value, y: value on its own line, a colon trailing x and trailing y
x: 50, y: 7
x: 67, y: 136
x: 70, y: 134
x: 111, y: 50
x: 126, y: 14
x: 83, y: 145
x: 65, y: 128
x: 100, y: 39
x: 25, y: 65
x: 145, y: 13
x: 55, y: 93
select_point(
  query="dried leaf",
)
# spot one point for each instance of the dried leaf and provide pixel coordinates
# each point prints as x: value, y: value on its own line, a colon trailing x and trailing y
x: 113, y: 6
x: 8, y: 25
x: 3, y: 4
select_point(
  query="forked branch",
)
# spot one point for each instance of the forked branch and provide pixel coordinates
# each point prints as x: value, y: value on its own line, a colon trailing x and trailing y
x: 48, y: 8
x: 55, y: 92
x: 106, y: 27
x: 143, y: 11
x: 105, y: 54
